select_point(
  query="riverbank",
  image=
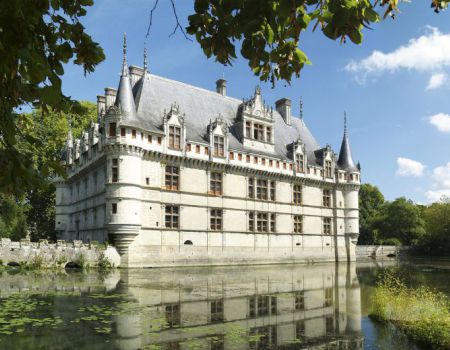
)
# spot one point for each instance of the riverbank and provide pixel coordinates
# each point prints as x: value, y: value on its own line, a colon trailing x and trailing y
x: 422, y: 313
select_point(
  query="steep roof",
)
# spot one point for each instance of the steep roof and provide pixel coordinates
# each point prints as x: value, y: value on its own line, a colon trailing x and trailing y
x: 155, y: 94
x: 345, y: 161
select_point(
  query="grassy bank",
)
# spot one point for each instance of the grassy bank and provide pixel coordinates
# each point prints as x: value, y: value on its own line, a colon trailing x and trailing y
x: 423, y: 314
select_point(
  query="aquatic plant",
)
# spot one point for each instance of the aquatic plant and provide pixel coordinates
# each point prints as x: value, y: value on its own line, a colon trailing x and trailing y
x: 422, y: 313
x: 103, y: 263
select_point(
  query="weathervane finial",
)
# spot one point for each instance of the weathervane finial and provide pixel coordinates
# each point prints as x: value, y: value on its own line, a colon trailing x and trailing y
x: 124, y: 65
x: 145, y: 58
x: 301, y: 108
x: 345, y: 122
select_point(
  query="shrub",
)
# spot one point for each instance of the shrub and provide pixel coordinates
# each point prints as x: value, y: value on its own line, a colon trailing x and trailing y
x: 103, y: 263
x: 392, y: 241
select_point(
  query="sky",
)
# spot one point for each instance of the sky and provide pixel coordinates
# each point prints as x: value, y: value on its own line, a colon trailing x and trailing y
x: 395, y: 87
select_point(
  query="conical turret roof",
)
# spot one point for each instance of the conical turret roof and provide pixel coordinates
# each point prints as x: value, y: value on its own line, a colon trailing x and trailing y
x: 345, y: 161
x: 125, y: 99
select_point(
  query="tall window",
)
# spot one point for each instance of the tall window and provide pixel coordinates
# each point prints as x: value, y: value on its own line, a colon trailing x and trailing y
x: 261, y: 189
x: 328, y: 172
x: 268, y: 134
x: 273, y: 188
x: 251, y: 187
x: 219, y: 146
x: 261, y: 222
x: 174, y: 137
x: 300, y: 163
x: 248, y: 128
x: 327, y: 226
x: 173, y: 318
x: 123, y: 132
x: 251, y: 221
x: 172, y: 178
x: 327, y: 198
x: 300, y: 300
x: 298, y: 224
x: 172, y: 216
x: 112, y: 129
x: 273, y: 223
x: 216, y: 184
x: 114, y: 208
x: 115, y: 170
x: 297, y: 194
x: 216, y: 311
x: 328, y: 297
x: 258, y: 132
x: 216, y: 219
x: 133, y: 134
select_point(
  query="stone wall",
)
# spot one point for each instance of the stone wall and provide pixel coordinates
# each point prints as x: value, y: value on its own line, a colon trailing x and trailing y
x: 60, y: 254
x: 379, y: 251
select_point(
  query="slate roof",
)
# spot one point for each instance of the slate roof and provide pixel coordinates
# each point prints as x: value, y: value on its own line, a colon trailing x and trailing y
x: 154, y: 94
x: 345, y: 160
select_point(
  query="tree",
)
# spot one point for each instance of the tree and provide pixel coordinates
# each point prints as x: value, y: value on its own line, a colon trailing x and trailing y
x: 36, y: 38
x: 13, y: 221
x: 370, y: 202
x: 400, y: 219
x: 437, y: 223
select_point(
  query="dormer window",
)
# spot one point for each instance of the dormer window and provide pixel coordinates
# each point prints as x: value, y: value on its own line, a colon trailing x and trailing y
x: 112, y: 129
x: 248, y: 129
x: 174, y: 137
x: 300, y: 163
x: 269, y: 134
x: 328, y: 170
x: 219, y: 146
x: 258, y: 132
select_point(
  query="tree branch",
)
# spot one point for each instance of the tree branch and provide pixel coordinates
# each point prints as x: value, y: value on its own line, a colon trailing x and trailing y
x: 178, y: 23
x: 151, y: 18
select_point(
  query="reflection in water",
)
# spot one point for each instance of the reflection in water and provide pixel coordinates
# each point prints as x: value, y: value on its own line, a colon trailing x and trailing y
x: 242, y: 308
x: 252, y: 307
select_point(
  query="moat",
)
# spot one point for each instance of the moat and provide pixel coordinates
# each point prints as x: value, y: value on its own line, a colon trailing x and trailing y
x: 322, y: 306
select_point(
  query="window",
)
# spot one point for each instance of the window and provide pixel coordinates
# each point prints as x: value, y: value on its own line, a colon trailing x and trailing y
x: 298, y: 224
x: 149, y: 139
x: 216, y: 219
x: 328, y: 297
x: 159, y: 140
x: 188, y: 147
x: 263, y: 161
x: 231, y: 156
x: 248, y: 128
x: 114, y: 208
x: 300, y: 300
x: 299, y: 329
x: 297, y: 194
x: 206, y: 151
x: 261, y: 222
x: 271, y: 163
x: 326, y: 198
x: 269, y: 134
x: 219, y: 146
x: 328, y: 172
x: 262, y: 305
x: 147, y: 181
x: 327, y: 226
x: 273, y: 223
x: 115, y: 170
x: 251, y: 187
x: 216, y: 184
x: 247, y: 158
x: 261, y: 189
x: 112, y: 129
x: 300, y: 163
x: 174, y: 137
x: 122, y: 132
x: 284, y: 165
x: 258, y: 132
x: 251, y: 221
x: 173, y: 315
x: 239, y: 156
x: 172, y: 178
x: 329, y: 324
x: 142, y: 136
x: 197, y: 148
x: 255, y: 160
x: 273, y: 189
x: 133, y: 134
x: 172, y: 216
x: 216, y: 311
x: 278, y: 164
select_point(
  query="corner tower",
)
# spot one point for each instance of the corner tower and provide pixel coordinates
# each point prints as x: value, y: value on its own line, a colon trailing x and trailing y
x: 350, y: 193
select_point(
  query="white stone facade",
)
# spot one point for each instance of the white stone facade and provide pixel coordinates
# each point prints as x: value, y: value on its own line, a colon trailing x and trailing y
x: 205, y: 179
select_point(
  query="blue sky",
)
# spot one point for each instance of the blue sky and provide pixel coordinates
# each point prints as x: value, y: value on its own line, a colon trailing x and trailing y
x: 397, y: 100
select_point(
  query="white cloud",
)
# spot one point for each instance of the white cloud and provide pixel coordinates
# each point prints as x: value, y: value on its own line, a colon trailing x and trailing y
x: 441, y: 184
x: 441, y: 121
x: 436, y: 81
x: 427, y: 53
x: 436, y: 196
x: 409, y: 167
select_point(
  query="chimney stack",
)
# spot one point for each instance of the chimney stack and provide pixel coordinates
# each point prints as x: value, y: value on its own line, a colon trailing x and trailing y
x: 221, y: 87
x: 110, y: 95
x: 101, y: 107
x: 283, y: 107
x: 136, y: 74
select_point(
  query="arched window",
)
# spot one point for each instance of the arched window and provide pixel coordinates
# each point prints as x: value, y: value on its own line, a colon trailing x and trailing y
x: 188, y: 242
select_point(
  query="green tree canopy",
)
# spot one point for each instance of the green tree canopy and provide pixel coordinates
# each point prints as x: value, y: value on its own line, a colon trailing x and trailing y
x: 437, y: 223
x: 370, y: 203
x: 400, y: 219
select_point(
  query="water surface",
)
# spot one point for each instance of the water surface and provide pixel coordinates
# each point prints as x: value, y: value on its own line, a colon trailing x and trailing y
x: 244, y: 307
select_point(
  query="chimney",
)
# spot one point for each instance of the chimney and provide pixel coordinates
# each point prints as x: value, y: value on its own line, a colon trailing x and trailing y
x: 283, y: 107
x: 110, y: 95
x: 101, y: 107
x: 136, y: 74
x: 221, y: 87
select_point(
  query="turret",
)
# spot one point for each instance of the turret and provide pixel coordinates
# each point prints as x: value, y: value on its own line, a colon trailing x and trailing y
x: 345, y: 161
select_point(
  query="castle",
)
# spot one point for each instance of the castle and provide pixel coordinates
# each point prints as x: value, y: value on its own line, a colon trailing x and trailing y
x: 177, y: 175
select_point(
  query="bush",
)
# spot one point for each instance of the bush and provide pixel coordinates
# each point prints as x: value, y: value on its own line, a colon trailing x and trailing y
x: 391, y: 241
x: 423, y: 314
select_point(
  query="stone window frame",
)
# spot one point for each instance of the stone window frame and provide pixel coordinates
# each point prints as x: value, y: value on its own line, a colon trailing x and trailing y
x: 216, y: 183
x: 219, y: 146
x: 172, y: 216
x: 326, y: 223
x: 297, y: 194
x: 112, y: 129
x: 115, y: 170
x: 300, y: 163
x: 298, y: 224
x: 299, y: 300
x: 172, y: 177
x: 216, y: 309
x: 326, y: 198
x: 174, y: 137
x: 216, y: 219
x: 328, y: 169
x: 258, y: 132
x: 272, y: 190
